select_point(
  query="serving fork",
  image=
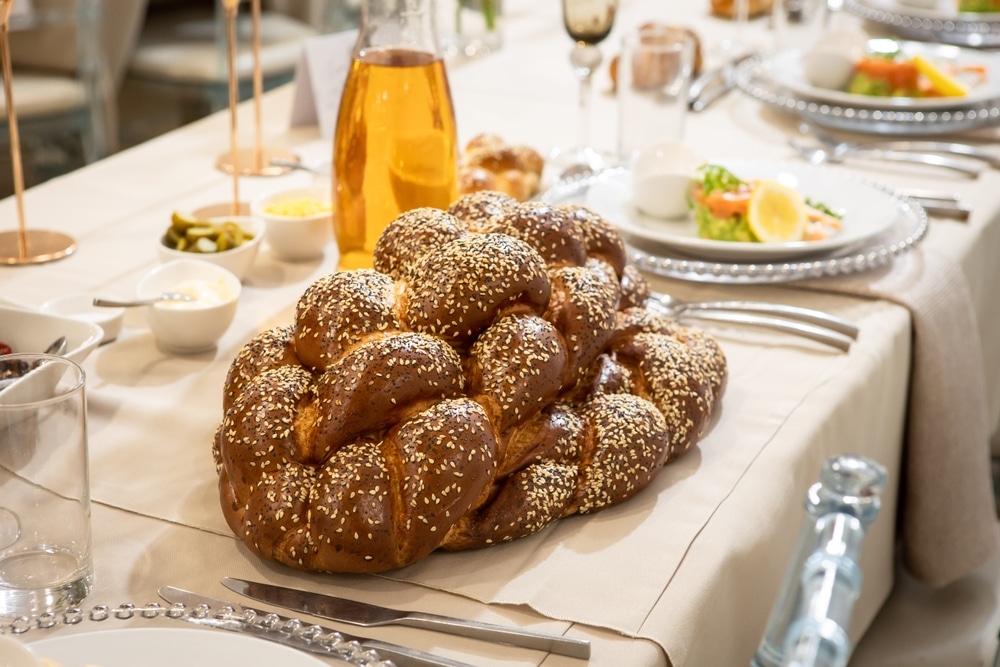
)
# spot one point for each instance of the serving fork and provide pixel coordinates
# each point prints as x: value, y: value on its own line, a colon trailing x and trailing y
x: 807, y: 322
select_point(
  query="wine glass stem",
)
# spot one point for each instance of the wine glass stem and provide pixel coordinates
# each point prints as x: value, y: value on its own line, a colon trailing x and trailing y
x: 585, y: 99
x: 741, y: 17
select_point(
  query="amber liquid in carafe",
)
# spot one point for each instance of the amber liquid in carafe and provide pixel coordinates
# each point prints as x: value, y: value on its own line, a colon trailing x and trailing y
x: 395, y: 147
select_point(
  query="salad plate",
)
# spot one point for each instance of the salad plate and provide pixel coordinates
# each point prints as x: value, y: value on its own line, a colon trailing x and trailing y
x: 168, y: 647
x: 786, y: 69
x: 879, y: 116
x: 867, y: 212
x: 938, y: 21
x: 908, y: 228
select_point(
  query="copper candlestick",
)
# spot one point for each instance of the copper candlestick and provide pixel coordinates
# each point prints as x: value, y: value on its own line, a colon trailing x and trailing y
x: 23, y: 246
x: 256, y: 161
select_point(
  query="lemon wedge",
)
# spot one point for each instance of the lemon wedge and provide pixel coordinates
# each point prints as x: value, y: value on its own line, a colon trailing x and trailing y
x: 942, y: 82
x: 776, y: 213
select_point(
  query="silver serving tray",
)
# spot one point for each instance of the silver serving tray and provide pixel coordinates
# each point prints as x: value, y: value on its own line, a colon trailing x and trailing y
x: 960, y: 28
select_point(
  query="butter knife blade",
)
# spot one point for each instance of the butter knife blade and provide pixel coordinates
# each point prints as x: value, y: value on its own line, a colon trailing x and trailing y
x: 400, y: 655
x: 369, y: 615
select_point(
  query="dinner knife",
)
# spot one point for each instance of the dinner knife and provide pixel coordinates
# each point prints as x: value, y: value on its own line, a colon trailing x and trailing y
x: 277, y: 632
x: 369, y: 615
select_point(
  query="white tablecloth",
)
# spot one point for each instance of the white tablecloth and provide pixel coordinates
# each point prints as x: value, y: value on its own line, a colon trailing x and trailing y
x: 689, y: 568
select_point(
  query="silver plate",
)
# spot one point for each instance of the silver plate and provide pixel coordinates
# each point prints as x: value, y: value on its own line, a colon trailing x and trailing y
x: 751, y: 76
x: 909, y: 229
x: 963, y: 29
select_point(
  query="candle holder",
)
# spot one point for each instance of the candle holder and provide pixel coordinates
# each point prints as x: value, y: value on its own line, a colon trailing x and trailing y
x: 255, y: 161
x: 23, y: 246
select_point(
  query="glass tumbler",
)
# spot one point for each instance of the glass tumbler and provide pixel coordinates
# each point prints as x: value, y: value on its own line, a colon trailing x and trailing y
x: 45, y: 544
x: 654, y: 74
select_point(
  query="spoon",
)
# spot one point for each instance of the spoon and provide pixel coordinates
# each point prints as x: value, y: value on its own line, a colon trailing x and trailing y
x: 292, y: 164
x: 166, y: 296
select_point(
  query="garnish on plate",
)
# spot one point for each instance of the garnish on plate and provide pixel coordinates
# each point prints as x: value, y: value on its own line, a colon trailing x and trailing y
x: 979, y: 5
x: 888, y: 72
x: 728, y: 208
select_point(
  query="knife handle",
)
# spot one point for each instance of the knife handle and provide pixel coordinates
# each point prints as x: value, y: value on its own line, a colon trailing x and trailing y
x: 574, y: 648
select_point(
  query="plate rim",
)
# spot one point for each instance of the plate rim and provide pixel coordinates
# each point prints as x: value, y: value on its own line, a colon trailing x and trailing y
x: 933, y: 14
x: 222, y: 636
x: 972, y: 29
x: 739, y: 251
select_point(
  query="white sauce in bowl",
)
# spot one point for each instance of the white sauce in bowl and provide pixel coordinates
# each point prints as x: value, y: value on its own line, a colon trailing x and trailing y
x: 203, y: 293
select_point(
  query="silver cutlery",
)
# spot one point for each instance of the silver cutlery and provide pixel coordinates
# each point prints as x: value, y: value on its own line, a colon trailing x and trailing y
x: 369, y: 615
x: 812, y: 324
x: 293, y: 164
x: 941, y: 204
x: 942, y: 209
x: 166, y: 296
x: 713, y: 84
x: 293, y: 632
x: 823, y: 154
x: 949, y: 147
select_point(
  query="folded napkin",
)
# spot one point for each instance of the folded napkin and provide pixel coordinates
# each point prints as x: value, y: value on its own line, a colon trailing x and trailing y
x: 948, y: 515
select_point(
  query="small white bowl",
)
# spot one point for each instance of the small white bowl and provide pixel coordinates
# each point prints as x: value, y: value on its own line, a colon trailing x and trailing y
x: 237, y: 261
x: 662, y: 175
x: 295, y: 237
x: 30, y: 331
x: 188, y: 328
x: 829, y: 63
x: 80, y: 306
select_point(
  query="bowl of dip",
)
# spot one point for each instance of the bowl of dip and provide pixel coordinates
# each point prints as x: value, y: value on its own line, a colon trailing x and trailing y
x: 298, y: 223
x: 188, y: 327
x: 209, y: 239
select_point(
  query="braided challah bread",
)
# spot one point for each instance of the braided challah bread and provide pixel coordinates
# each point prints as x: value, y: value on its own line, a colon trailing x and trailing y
x: 496, y: 371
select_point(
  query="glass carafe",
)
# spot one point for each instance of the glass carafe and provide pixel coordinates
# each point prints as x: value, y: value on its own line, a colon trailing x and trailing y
x: 395, y: 146
x: 809, y: 621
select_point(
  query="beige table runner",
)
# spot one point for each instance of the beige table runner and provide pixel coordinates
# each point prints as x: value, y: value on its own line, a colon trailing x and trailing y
x: 948, y: 519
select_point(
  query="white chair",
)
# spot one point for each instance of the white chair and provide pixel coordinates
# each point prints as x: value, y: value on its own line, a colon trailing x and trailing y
x: 183, y: 51
x: 67, y: 57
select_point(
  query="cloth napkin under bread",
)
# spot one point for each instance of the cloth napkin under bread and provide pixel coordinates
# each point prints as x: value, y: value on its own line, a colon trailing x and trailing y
x: 948, y: 517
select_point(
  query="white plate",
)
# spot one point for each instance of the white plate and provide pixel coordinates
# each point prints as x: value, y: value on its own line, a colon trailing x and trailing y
x: 168, y: 647
x: 785, y: 67
x: 868, y: 211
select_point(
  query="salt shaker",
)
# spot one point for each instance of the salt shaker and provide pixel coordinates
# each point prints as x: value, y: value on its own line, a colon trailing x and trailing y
x: 808, y: 624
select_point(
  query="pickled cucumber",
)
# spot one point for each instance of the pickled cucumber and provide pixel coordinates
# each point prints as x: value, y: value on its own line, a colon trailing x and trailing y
x: 189, y: 234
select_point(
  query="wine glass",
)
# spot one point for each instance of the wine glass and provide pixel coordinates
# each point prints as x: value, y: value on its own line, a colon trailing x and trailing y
x: 588, y: 22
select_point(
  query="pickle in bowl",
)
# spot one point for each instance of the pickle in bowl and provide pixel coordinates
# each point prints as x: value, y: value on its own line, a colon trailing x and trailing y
x: 188, y: 234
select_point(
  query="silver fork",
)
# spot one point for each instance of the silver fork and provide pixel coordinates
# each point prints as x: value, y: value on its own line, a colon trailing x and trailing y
x: 949, y: 147
x: 813, y: 324
x: 840, y: 152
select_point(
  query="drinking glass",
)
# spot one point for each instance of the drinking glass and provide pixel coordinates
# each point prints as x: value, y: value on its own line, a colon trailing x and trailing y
x: 735, y: 45
x: 654, y: 74
x: 588, y: 22
x: 45, y: 548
